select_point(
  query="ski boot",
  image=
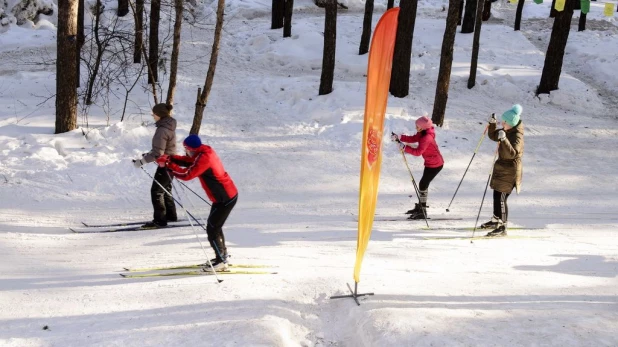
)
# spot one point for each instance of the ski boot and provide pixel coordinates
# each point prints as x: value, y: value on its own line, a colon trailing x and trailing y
x: 494, y: 223
x: 217, y: 264
x: 154, y: 225
x: 498, y: 232
x: 417, y: 208
x: 420, y: 213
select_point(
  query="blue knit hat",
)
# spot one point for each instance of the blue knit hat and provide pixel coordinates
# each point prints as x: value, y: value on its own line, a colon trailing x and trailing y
x: 511, y: 116
x: 192, y: 141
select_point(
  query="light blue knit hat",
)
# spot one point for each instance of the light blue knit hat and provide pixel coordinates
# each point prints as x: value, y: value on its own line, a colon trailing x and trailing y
x: 511, y: 116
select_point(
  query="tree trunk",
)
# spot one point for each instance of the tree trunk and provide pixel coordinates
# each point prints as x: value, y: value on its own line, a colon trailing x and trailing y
x: 446, y: 61
x: 367, y: 22
x: 153, y: 43
x: 487, y: 11
x: 461, y: 7
x: 81, y: 38
x: 123, y: 8
x: 139, y: 31
x: 390, y: 4
x: 178, y: 6
x: 202, y: 99
x: 467, y: 26
x: 400, y: 76
x: 555, y: 51
x: 277, y: 14
x: 100, y: 50
x: 66, y: 71
x: 476, y: 43
x: 330, y: 43
x: 287, y: 19
x: 552, y: 11
x: 520, y: 8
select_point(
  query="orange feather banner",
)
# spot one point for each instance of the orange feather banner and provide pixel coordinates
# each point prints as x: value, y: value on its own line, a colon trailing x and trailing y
x: 378, y: 81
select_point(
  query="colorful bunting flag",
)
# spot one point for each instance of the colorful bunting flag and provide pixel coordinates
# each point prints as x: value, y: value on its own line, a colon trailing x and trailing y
x: 585, y: 4
x: 559, y: 5
x: 609, y: 9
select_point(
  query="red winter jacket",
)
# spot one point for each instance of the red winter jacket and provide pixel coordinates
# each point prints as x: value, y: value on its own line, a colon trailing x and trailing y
x: 206, y: 165
x: 427, y: 147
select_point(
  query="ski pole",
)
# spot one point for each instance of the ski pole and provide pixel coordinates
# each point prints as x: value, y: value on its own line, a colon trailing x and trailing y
x: 473, y: 154
x: 217, y: 251
x: 190, y: 222
x: 203, y: 222
x: 196, y: 194
x: 485, y: 192
x: 214, y: 245
x: 413, y: 183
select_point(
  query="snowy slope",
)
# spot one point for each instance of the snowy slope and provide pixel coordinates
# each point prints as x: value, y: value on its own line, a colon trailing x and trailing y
x: 295, y: 157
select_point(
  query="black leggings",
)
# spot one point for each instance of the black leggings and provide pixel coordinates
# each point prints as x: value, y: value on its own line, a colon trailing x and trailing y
x: 214, y: 228
x: 428, y: 175
x: 501, y: 210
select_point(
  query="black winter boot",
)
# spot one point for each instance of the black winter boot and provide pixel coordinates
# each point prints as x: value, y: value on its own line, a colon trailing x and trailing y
x: 494, y: 223
x: 498, y: 232
x: 154, y: 224
x: 419, y: 213
x: 417, y: 208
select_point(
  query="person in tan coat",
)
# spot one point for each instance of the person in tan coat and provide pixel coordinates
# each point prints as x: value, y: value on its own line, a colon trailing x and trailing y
x: 507, y: 169
x: 163, y: 142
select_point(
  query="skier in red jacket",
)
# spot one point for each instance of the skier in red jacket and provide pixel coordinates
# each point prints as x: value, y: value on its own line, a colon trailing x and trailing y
x: 202, y: 162
x: 428, y: 148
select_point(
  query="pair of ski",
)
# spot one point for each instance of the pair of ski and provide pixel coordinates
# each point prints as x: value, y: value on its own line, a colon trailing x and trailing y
x: 481, y: 233
x: 484, y: 237
x: 196, y: 270
x: 125, y: 226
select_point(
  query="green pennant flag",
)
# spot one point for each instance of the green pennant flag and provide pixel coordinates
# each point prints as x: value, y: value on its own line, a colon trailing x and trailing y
x: 538, y: 1
x: 585, y: 6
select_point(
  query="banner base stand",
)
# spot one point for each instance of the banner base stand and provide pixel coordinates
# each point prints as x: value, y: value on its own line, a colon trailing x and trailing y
x: 354, y: 294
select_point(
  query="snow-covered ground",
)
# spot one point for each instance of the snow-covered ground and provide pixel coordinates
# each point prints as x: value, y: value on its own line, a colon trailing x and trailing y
x: 295, y: 157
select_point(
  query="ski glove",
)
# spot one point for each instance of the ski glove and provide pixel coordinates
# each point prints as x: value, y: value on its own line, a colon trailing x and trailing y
x: 163, y: 160
x: 501, y: 135
x: 402, y: 146
x: 138, y: 163
x: 492, y: 119
x: 394, y: 137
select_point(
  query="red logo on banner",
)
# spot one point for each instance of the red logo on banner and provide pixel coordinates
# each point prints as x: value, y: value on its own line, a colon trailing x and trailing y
x: 373, y: 146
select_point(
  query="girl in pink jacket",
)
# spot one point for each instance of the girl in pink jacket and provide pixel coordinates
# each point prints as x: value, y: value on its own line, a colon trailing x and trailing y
x: 428, y: 148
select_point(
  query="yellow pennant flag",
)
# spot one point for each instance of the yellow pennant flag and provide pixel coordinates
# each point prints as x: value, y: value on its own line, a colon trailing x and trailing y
x: 609, y: 9
x: 378, y: 81
x: 559, y: 5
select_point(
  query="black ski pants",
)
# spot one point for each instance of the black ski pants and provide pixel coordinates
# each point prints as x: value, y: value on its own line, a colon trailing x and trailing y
x: 501, y: 209
x: 162, y: 203
x: 214, y: 228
